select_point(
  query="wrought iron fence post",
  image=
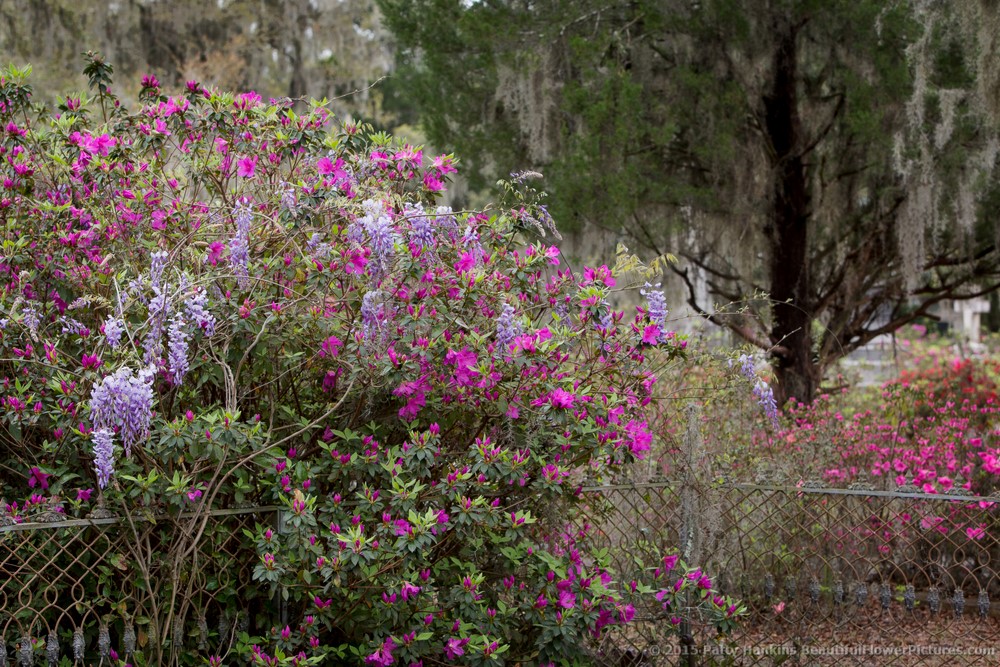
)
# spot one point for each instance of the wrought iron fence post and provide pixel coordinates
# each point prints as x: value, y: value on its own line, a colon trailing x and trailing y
x: 687, y: 639
x: 281, y: 527
x: 689, y: 519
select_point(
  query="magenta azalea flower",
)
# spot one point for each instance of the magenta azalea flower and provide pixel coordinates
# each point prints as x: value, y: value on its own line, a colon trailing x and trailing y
x: 409, y: 590
x: 383, y: 656
x: 465, y: 263
x: 39, y: 478
x: 247, y: 167
x: 455, y: 647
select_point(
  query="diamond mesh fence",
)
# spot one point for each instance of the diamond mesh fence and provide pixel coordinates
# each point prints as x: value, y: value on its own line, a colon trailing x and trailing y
x: 829, y: 576
x: 82, y: 592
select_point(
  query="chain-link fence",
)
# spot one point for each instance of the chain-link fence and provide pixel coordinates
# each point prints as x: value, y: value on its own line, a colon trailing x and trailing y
x: 84, y: 591
x: 830, y: 576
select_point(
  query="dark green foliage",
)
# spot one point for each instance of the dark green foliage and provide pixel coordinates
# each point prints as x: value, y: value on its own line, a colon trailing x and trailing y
x: 787, y: 133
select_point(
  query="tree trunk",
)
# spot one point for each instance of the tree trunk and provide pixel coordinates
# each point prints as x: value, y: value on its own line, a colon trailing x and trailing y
x: 791, y: 332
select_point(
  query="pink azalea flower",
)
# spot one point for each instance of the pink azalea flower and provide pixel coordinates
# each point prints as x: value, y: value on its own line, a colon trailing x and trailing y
x: 465, y: 263
x: 247, y: 167
x: 455, y: 647
x: 651, y: 334
x: 39, y: 478
x: 432, y: 182
x: 409, y: 590
x: 560, y: 398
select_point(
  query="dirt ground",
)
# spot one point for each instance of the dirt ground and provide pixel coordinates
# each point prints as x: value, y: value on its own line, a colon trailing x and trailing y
x: 855, y: 638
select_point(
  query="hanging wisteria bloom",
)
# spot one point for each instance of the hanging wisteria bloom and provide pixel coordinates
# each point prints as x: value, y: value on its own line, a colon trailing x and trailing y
x: 421, y: 227
x: 657, y: 307
x: 135, y: 290
x: 762, y: 391
x: 317, y: 247
x: 71, y: 326
x: 508, y: 328
x: 239, y: 245
x: 114, y: 327
x: 470, y: 241
x: 372, y: 314
x: 31, y: 318
x: 159, y: 310
x: 382, y: 239
x: 444, y: 218
x: 607, y: 319
x: 124, y: 401
x: 104, y: 455
x: 177, y: 349
x: 764, y: 394
x: 289, y: 201
x: 158, y: 262
x: 196, y: 307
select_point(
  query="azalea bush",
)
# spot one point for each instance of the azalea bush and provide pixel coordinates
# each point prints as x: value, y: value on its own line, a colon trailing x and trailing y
x: 213, y: 300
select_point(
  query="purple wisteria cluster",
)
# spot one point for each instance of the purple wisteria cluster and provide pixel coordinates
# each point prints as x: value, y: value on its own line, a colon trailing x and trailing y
x: 71, y: 326
x: 122, y: 402
x: 31, y: 318
x: 762, y: 391
x: 177, y: 349
x: 374, y: 312
x: 159, y: 308
x: 104, y: 455
x: 317, y: 247
x: 508, y: 328
x: 239, y: 245
x: 421, y: 227
x: 157, y: 265
x: 196, y: 307
x: 382, y: 238
x: 289, y: 200
x: 657, y: 308
x: 114, y: 327
x: 470, y: 241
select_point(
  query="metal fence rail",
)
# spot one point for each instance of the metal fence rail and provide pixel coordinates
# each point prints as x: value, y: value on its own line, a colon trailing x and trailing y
x: 830, y: 576
x: 87, y: 590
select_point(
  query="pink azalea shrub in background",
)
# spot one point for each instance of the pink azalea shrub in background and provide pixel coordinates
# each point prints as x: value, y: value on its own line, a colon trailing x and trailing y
x: 935, y: 430
x: 214, y: 299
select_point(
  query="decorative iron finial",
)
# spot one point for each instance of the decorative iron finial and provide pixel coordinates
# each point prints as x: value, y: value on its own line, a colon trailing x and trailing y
x: 104, y: 641
x: 860, y: 593
x: 26, y: 652
x: 958, y: 602
x: 202, y: 632
x: 128, y: 639
x: 79, y: 645
x: 52, y: 649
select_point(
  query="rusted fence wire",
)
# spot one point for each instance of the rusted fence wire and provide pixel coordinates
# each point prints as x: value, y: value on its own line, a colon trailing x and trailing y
x: 84, y: 591
x: 830, y: 576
